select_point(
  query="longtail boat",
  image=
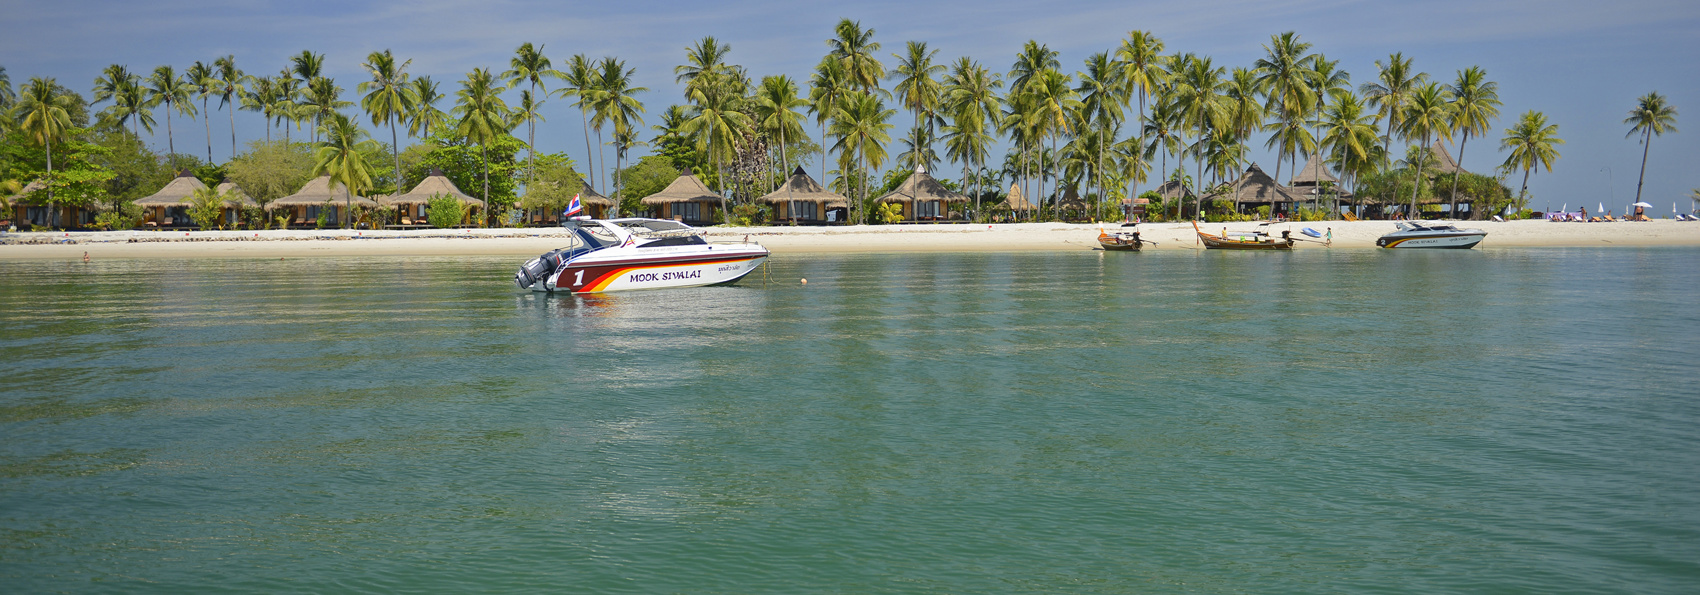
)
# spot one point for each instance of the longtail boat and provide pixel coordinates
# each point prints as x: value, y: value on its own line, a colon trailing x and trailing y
x: 1244, y: 240
x: 1121, y: 241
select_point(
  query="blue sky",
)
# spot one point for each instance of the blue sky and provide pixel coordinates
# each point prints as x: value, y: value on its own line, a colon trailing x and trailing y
x: 1582, y: 63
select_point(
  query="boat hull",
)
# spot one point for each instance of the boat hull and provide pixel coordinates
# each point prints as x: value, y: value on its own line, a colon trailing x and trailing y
x: 630, y: 274
x: 1461, y: 241
x: 1118, y: 244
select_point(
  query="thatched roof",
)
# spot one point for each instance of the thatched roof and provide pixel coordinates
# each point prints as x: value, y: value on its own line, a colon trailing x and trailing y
x: 589, y: 197
x: 1173, y: 189
x: 243, y: 198
x: 175, y: 193
x: 922, y: 186
x: 686, y: 188
x: 1443, y: 161
x: 1255, y: 186
x: 433, y: 184
x: 1313, y: 173
x: 32, y: 196
x: 1071, y: 201
x: 800, y: 187
x: 23, y: 196
x: 317, y: 192
x: 1017, y: 200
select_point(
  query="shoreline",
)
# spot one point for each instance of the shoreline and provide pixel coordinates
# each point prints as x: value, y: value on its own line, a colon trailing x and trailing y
x: 952, y: 237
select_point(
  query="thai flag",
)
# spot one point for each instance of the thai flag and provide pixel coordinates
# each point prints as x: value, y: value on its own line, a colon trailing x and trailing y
x: 573, y: 208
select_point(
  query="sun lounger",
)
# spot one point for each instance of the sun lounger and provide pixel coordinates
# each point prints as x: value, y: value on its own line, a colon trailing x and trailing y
x: 1498, y: 218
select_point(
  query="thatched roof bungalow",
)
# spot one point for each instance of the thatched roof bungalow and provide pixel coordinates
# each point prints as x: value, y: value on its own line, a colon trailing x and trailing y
x: 1256, y: 187
x: 923, y: 197
x: 29, y: 207
x: 802, y: 199
x: 412, y: 204
x: 306, y: 204
x: 687, y: 199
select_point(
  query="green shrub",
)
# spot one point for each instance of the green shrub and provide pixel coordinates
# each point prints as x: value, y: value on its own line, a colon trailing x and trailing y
x: 126, y: 216
x: 445, y: 211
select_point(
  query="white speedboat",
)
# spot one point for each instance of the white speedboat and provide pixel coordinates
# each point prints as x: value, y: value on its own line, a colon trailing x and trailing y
x: 635, y: 253
x: 1412, y: 234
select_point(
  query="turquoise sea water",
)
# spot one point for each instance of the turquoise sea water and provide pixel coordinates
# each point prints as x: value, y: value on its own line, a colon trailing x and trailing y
x: 1323, y: 421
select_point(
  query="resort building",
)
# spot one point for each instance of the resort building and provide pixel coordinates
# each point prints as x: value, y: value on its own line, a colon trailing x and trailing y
x: 923, y: 197
x: 169, y: 208
x: 687, y: 200
x: 1255, y: 188
x: 317, y: 198
x: 410, y: 207
x: 30, y: 208
x: 802, y: 200
x: 1016, y: 202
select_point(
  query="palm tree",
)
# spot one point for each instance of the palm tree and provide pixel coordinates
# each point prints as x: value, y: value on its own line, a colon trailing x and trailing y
x: 133, y: 101
x: 390, y: 98
x: 1163, y: 130
x: 230, y: 91
x: 260, y: 97
x: 971, y: 99
x: 1246, y: 111
x: 1286, y: 76
x: 109, y: 83
x: 1102, y: 97
x: 580, y: 78
x: 830, y: 83
x: 862, y: 128
x: 1349, y: 135
x: 341, y: 156
x: 324, y: 98
x: 425, y: 116
x: 706, y: 60
x: 613, y: 102
x: 1329, y: 82
x: 1532, y: 143
x: 483, y: 117
x: 286, y: 103
x: 1393, y: 87
x: 1033, y: 59
x: 717, y: 124
x: 529, y: 65
x: 1198, y: 94
x: 917, y: 88
x: 776, y: 113
x: 7, y: 96
x: 1022, y: 121
x: 306, y: 65
x: 1057, y: 103
x: 855, y: 48
x: 1475, y: 102
x: 201, y: 82
x: 117, y: 84
x: 1653, y: 116
x: 44, y: 115
x: 1429, y: 113
x: 1144, y: 68
x: 167, y: 87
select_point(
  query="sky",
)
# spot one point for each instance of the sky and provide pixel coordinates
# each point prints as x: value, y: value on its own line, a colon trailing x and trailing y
x: 1583, y: 63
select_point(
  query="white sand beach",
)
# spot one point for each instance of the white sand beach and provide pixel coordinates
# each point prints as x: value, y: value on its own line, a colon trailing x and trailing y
x: 791, y: 240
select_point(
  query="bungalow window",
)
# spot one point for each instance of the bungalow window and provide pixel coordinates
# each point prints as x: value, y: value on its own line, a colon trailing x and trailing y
x: 927, y: 208
x: 688, y: 211
x: 802, y: 210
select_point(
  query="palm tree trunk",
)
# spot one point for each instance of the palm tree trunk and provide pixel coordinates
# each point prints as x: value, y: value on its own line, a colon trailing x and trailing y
x: 208, y: 121
x: 1417, y: 182
x: 233, y: 129
x: 395, y: 149
x: 1453, y: 209
x: 1646, y: 143
x: 49, y: 145
x: 531, y: 141
x: 589, y: 155
x: 603, y: 158
x: 170, y: 144
x: 484, y: 154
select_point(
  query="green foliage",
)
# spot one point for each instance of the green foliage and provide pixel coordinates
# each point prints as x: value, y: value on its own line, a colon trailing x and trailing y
x: 125, y: 216
x: 888, y: 213
x: 892, y: 179
x: 324, y: 219
x: 648, y: 176
x: 555, y: 183
x: 748, y: 214
x: 463, y: 164
x: 445, y: 211
x: 272, y: 170
x: 136, y: 170
x: 206, y: 207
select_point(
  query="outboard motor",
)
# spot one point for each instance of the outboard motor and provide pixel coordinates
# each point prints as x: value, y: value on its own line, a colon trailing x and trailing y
x: 537, y: 269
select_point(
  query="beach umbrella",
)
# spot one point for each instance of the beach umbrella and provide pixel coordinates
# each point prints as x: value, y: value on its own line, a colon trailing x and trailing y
x: 1642, y: 205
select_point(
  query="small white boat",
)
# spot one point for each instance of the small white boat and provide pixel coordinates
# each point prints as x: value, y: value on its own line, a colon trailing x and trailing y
x: 636, y: 253
x: 1412, y: 234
